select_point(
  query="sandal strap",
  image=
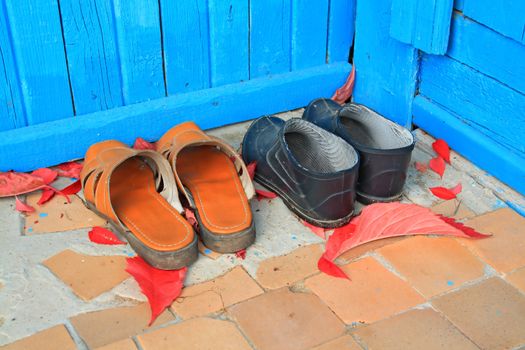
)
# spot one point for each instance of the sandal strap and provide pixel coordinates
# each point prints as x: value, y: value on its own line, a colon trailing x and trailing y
x: 189, y: 134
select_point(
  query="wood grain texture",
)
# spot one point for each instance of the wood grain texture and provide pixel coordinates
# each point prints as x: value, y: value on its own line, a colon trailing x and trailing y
x: 269, y: 37
x: 186, y: 42
x: 483, y: 151
x: 309, y: 33
x: 386, y: 69
x: 67, y: 139
x: 341, y: 29
x: 93, y: 60
x: 139, y: 48
x: 229, y: 58
x: 482, y: 102
x: 507, y: 18
x: 423, y: 24
x: 40, y: 61
x: 12, y: 113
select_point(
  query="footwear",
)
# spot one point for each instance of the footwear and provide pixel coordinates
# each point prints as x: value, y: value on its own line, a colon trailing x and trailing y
x: 216, y: 185
x: 384, y: 146
x: 135, y: 190
x: 312, y: 170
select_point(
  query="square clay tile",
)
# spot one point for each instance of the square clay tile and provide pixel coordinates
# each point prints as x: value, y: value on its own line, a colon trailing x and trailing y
x: 281, y: 319
x: 363, y: 249
x: 517, y: 278
x: 50, y: 339
x: 57, y: 215
x: 198, y: 333
x: 505, y: 250
x: 491, y: 313
x: 414, y: 330
x: 285, y: 270
x: 346, y: 342
x: 433, y: 265
x: 212, y: 296
x: 125, y: 344
x: 453, y: 209
x: 88, y: 276
x: 100, y: 328
x: 372, y: 294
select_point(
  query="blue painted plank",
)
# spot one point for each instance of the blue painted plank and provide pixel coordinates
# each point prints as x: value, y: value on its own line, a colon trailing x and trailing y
x: 52, y: 143
x: 40, y: 59
x: 309, y: 33
x: 186, y: 41
x: 482, y: 102
x: 269, y: 37
x: 341, y: 29
x: 386, y: 69
x: 505, y: 17
x: 12, y: 113
x: 229, y: 61
x: 422, y: 23
x: 139, y: 47
x: 483, y: 151
x: 459, y: 4
x: 489, y: 52
x: 94, y: 64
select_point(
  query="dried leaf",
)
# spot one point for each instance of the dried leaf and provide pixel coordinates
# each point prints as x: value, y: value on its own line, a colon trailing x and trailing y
x: 384, y: 220
x: 12, y: 183
x: 442, y: 149
x: 70, y: 169
x: 319, y: 231
x: 74, y: 188
x: 251, y: 169
x: 45, y: 174
x: 264, y: 195
x: 140, y: 143
x: 23, y: 207
x: 420, y: 167
x: 161, y: 287
x: 345, y: 92
x: 46, y: 196
x: 241, y: 254
x: 446, y: 193
x: 437, y: 165
x: 101, y: 235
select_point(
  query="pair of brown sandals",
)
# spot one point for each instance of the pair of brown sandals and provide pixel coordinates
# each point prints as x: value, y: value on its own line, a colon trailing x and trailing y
x: 138, y: 192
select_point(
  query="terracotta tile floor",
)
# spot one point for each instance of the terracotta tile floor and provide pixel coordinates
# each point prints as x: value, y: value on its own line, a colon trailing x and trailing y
x: 60, y: 291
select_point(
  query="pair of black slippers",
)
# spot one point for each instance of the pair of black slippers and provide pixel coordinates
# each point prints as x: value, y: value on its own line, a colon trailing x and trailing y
x: 320, y: 163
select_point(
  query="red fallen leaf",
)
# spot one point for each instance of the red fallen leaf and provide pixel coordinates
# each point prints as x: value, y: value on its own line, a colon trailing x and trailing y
x: 161, y: 287
x: 420, y: 167
x: 251, y: 169
x: 140, y: 143
x: 441, y: 147
x: 342, y: 94
x: 101, y: 235
x: 12, y: 183
x: 241, y: 254
x: 330, y: 268
x: 469, y: 231
x: 190, y: 217
x: 23, y: 207
x: 45, y: 174
x: 437, y: 165
x: 71, y: 189
x: 384, y: 220
x: 446, y: 193
x: 70, y: 169
x: 46, y: 196
x: 319, y: 231
x: 265, y: 194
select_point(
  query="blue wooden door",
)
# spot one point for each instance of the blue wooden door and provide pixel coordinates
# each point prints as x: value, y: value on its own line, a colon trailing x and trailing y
x: 456, y: 69
x: 75, y: 72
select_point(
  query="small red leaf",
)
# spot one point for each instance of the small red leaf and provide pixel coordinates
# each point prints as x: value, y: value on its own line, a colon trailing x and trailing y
x: 469, y: 231
x: 446, y: 193
x: 330, y: 268
x: 70, y: 169
x: 457, y: 189
x: 161, y: 287
x: 420, y: 167
x: 442, y: 149
x: 319, y: 231
x: 251, y: 169
x: 342, y: 94
x: 46, y: 174
x: 241, y: 254
x: 23, y: 207
x: 101, y: 235
x: 72, y: 189
x: 437, y: 165
x: 190, y: 217
x: 140, y: 143
x: 12, y: 183
x: 46, y: 196
x: 265, y: 194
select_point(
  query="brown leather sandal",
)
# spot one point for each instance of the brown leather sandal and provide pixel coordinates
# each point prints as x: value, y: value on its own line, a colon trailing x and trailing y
x: 216, y: 184
x: 135, y: 190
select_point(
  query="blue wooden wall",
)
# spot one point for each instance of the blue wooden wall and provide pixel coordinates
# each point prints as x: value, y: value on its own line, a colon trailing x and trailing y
x: 74, y: 72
